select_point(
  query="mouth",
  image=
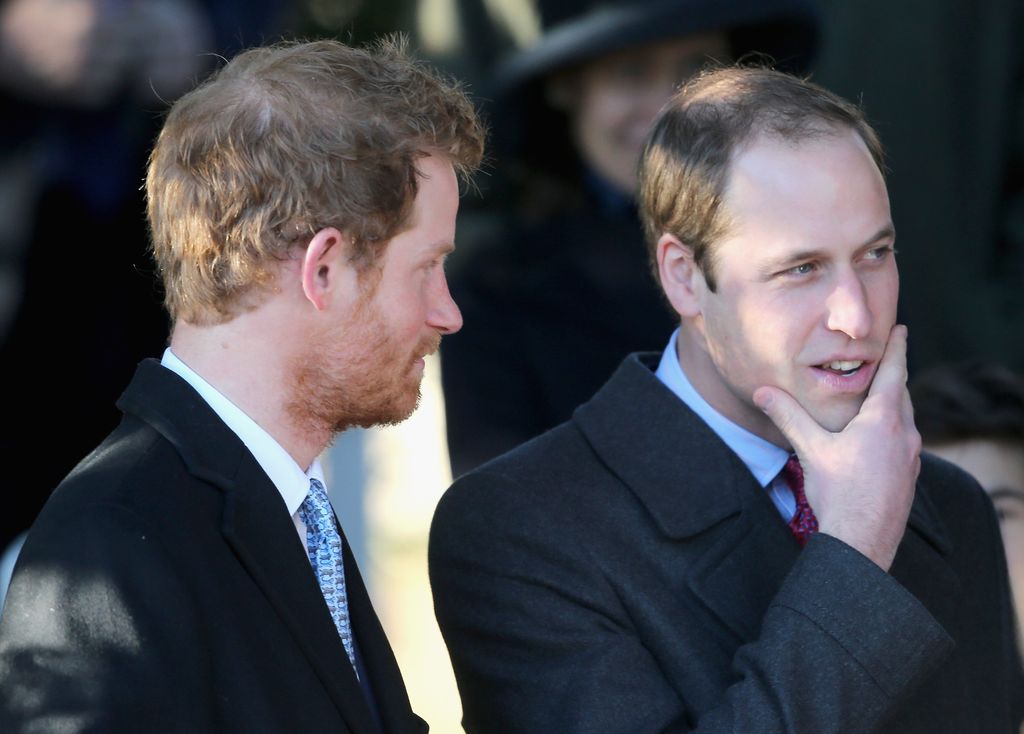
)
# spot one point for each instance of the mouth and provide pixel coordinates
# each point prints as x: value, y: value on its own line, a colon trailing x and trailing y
x: 845, y: 376
x: 843, y: 368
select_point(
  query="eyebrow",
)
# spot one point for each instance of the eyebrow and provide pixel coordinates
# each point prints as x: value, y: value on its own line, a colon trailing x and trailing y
x: 998, y: 493
x: 784, y: 263
x: 444, y: 247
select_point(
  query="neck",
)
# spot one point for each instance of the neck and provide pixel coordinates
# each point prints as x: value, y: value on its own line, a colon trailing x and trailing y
x: 706, y: 378
x: 246, y: 360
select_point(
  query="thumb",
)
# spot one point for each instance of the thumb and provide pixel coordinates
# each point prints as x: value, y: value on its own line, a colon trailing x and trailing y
x: 788, y: 416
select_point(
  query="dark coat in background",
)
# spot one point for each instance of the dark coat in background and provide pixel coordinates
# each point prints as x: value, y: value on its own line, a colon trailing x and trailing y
x: 943, y: 83
x: 164, y: 588
x: 550, y: 311
x: 624, y: 573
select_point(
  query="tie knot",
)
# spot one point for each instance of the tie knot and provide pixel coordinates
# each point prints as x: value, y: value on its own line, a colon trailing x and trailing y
x: 317, y: 491
x: 793, y: 473
x: 317, y: 506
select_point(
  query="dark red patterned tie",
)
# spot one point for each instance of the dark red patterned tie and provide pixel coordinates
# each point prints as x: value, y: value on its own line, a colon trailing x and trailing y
x: 804, y: 524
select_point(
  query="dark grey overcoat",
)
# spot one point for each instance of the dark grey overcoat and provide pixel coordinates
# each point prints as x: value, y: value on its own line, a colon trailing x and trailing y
x: 625, y: 574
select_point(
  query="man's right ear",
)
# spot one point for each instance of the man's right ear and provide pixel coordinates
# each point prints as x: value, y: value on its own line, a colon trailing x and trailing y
x: 681, y: 278
x: 325, y: 271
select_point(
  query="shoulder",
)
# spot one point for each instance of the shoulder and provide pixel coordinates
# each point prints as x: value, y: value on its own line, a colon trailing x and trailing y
x: 125, y: 468
x: 528, y: 473
x: 952, y: 490
x: 550, y: 486
x: 133, y: 486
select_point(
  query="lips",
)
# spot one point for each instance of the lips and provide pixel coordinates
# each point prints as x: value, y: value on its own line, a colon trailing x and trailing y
x: 842, y: 366
x: 846, y: 375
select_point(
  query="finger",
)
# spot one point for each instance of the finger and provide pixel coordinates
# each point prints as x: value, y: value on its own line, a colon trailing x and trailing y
x: 892, y: 370
x: 789, y: 417
x: 907, y: 408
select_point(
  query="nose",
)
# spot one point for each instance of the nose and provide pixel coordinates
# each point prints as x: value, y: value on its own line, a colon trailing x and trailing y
x: 848, y: 310
x: 444, y: 314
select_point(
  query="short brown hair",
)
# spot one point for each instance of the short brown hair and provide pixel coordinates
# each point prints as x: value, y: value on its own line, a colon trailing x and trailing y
x: 684, y: 168
x: 284, y: 141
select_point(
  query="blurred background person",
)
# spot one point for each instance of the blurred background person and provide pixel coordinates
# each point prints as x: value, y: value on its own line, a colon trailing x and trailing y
x: 83, y: 84
x: 972, y: 414
x: 554, y: 283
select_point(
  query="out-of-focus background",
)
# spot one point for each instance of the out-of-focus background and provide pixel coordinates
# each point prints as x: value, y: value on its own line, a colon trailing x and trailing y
x: 84, y: 83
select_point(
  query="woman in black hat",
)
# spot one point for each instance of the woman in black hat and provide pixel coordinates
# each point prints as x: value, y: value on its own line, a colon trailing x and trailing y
x: 554, y: 285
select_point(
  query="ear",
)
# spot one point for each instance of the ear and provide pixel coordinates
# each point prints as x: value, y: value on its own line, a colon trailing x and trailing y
x: 323, y: 266
x: 681, y: 278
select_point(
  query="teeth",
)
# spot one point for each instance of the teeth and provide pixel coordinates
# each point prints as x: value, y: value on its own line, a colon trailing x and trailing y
x: 843, y: 366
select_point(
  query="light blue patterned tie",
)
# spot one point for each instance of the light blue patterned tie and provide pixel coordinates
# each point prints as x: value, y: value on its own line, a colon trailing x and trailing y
x: 323, y: 543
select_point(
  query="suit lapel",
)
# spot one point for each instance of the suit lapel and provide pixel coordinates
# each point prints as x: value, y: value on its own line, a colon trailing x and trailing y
x: 256, y: 525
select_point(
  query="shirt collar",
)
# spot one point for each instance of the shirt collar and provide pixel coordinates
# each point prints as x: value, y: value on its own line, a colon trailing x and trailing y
x: 764, y: 459
x: 291, y: 481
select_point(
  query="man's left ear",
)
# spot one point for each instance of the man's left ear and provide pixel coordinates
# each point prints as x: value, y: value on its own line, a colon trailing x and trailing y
x: 680, y: 277
x: 322, y: 266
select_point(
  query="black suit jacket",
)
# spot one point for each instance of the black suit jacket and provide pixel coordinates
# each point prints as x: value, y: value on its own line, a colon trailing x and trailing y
x: 625, y: 573
x: 163, y: 589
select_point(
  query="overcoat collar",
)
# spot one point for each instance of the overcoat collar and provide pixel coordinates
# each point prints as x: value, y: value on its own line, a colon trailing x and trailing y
x: 690, y: 482
x: 686, y: 477
x: 257, y: 525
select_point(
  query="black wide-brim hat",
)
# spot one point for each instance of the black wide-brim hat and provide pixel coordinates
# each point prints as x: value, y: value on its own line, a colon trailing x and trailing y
x: 576, y: 31
x: 527, y: 131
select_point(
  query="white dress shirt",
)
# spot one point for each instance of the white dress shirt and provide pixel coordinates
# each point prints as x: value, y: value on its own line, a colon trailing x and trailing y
x: 764, y: 459
x: 289, y: 478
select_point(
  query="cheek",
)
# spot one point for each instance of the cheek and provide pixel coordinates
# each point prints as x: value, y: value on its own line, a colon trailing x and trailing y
x: 602, y: 115
x: 1013, y: 540
x: 401, y: 304
x: 768, y: 330
x: 884, y: 293
x: 743, y: 341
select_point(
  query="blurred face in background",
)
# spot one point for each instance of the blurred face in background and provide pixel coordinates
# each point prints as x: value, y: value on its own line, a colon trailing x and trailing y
x: 612, y: 101
x: 999, y: 468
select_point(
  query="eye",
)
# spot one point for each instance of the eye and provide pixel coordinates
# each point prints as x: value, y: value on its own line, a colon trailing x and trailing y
x: 1005, y: 511
x: 629, y: 69
x: 802, y: 269
x: 880, y: 253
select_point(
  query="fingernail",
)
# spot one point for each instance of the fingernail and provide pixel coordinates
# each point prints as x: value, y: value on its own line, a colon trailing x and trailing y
x: 763, y: 401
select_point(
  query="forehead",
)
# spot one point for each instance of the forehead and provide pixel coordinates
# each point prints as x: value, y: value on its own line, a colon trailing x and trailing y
x: 820, y: 191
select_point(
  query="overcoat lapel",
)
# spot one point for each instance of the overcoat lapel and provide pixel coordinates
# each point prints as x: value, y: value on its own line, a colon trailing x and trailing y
x: 694, y: 486
x: 384, y: 675
x: 256, y: 525
x: 921, y: 563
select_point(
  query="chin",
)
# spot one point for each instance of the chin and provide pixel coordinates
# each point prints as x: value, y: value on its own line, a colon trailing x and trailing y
x: 385, y: 411
x: 836, y: 418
